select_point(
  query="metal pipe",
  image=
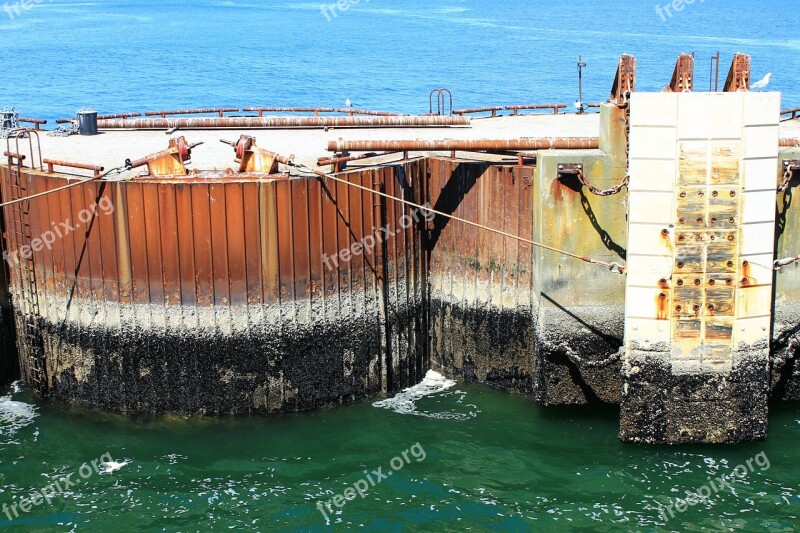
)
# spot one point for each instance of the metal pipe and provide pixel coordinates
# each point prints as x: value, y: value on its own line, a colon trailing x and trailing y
x: 100, y: 117
x: 352, y: 112
x: 219, y: 110
x: 554, y: 107
x: 333, y: 160
x: 281, y: 122
x: 15, y: 155
x: 97, y: 169
x: 789, y: 142
x: 466, y: 145
x: 315, y: 110
x: 493, y: 109
x: 35, y: 121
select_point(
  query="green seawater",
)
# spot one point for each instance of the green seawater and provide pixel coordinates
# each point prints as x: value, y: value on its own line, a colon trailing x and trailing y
x: 476, y: 459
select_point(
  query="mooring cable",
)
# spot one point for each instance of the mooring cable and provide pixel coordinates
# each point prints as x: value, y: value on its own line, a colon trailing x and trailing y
x: 117, y: 170
x: 613, y: 266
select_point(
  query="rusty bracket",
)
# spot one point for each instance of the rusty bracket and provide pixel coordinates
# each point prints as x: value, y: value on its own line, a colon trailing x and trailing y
x: 738, y: 75
x: 167, y: 162
x: 251, y: 158
x: 624, y: 81
x: 569, y: 169
x: 683, y: 75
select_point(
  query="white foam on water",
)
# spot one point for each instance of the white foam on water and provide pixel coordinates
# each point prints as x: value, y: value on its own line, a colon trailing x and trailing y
x: 15, y: 415
x: 113, y: 466
x: 405, y: 402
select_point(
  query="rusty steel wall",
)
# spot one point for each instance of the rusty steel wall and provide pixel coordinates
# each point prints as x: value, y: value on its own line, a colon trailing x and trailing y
x: 482, y: 304
x: 211, y: 295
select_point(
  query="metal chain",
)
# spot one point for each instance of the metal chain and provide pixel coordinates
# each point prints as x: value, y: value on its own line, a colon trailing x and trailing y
x: 13, y: 123
x: 65, y: 130
x: 603, y: 192
x: 787, y: 177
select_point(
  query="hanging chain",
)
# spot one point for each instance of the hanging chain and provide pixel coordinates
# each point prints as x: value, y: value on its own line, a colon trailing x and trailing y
x: 787, y: 177
x: 602, y: 192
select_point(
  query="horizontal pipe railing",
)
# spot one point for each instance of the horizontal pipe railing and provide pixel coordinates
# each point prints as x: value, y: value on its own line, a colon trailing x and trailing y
x: 219, y: 110
x: 315, y: 110
x: 795, y: 111
x: 466, y: 145
x: 97, y: 169
x: 492, y: 109
x: 37, y: 122
x: 353, y: 112
x: 282, y: 122
x: 517, y: 108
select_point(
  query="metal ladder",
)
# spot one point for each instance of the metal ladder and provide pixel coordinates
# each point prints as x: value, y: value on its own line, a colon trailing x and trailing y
x: 25, y: 295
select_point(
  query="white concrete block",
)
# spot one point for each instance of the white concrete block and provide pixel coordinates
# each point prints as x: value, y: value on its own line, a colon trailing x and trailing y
x: 652, y: 175
x: 761, y: 141
x: 646, y: 271
x: 652, y: 208
x: 757, y: 238
x: 762, y: 108
x: 648, y: 332
x: 759, y: 206
x: 653, y: 143
x: 654, y: 109
x: 760, y: 174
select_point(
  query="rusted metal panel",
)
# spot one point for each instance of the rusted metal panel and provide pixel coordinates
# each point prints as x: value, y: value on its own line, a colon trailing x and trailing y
x: 738, y: 75
x: 683, y: 75
x: 203, y: 245
x: 252, y: 242
x: 624, y: 81
x: 152, y: 244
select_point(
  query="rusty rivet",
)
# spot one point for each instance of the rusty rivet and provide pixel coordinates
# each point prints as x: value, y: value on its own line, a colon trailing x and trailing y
x: 730, y: 264
x: 663, y: 281
x: 697, y: 282
x: 744, y: 281
x: 712, y: 238
x: 683, y: 194
x: 714, y: 194
x: 678, y: 307
x: 733, y: 193
x: 731, y: 220
x: 665, y: 232
x: 696, y: 307
x: 699, y: 237
x: 680, y: 283
x: 728, y: 281
x: 700, y: 193
x: 713, y: 220
x: 662, y: 296
x: 745, y: 263
x: 680, y: 221
x: 711, y: 282
x: 699, y: 220
x: 680, y: 264
x: 730, y: 237
x: 710, y: 307
x: 681, y: 238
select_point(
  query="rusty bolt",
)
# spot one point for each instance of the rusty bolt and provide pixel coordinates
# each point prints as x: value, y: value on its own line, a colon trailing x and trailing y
x: 745, y: 263
x: 744, y: 281
x: 733, y: 193
x: 683, y: 194
x: 713, y: 220
x: 699, y: 220
x: 730, y: 238
x: 714, y: 194
x: 678, y: 307
x: 696, y: 307
x: 730, y: 264
x: 712, y: 238
x: 698, y: 237
x: 731, y: 220
x: 728, y: 281
x: 711, y: 282
x: 680, y: 264
x: 700, y: 193
x: 680, y: 283
x: 710, y: 307
x: 680, y: 221
x: 662, y: 296
x: 697, y: 282
x: 664, y: 232
x: 681, y: 238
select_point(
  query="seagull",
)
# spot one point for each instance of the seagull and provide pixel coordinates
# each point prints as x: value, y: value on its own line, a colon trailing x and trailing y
x: 762, y: 83
x: 348, y: 103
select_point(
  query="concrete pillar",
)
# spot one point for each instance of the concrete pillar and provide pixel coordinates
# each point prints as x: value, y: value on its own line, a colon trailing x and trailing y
x: 700, y: 251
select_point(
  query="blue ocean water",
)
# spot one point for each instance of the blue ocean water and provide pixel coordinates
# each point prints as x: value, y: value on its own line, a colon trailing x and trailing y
x: 117, y: 55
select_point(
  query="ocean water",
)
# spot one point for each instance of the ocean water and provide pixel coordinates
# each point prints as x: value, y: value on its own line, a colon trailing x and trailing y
x: 118, y: 56
x: 475, y: 459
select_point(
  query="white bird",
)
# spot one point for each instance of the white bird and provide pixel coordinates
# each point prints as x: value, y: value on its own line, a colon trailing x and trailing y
x: 348, y: 103
x: 762, y: 83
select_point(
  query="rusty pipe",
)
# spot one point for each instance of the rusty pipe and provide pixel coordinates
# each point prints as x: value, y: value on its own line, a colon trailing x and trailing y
x: 352, y: 112
x: 281, y: 122
x: 322, y: 161
x: 97, y: 169
x: 35, y: 121
x: 466, y: 145
x: 15, y: 155
x: 789, y: 142
x: 218, y: 110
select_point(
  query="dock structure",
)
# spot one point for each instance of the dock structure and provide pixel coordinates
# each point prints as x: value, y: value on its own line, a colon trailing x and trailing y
x: 631, y: 257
